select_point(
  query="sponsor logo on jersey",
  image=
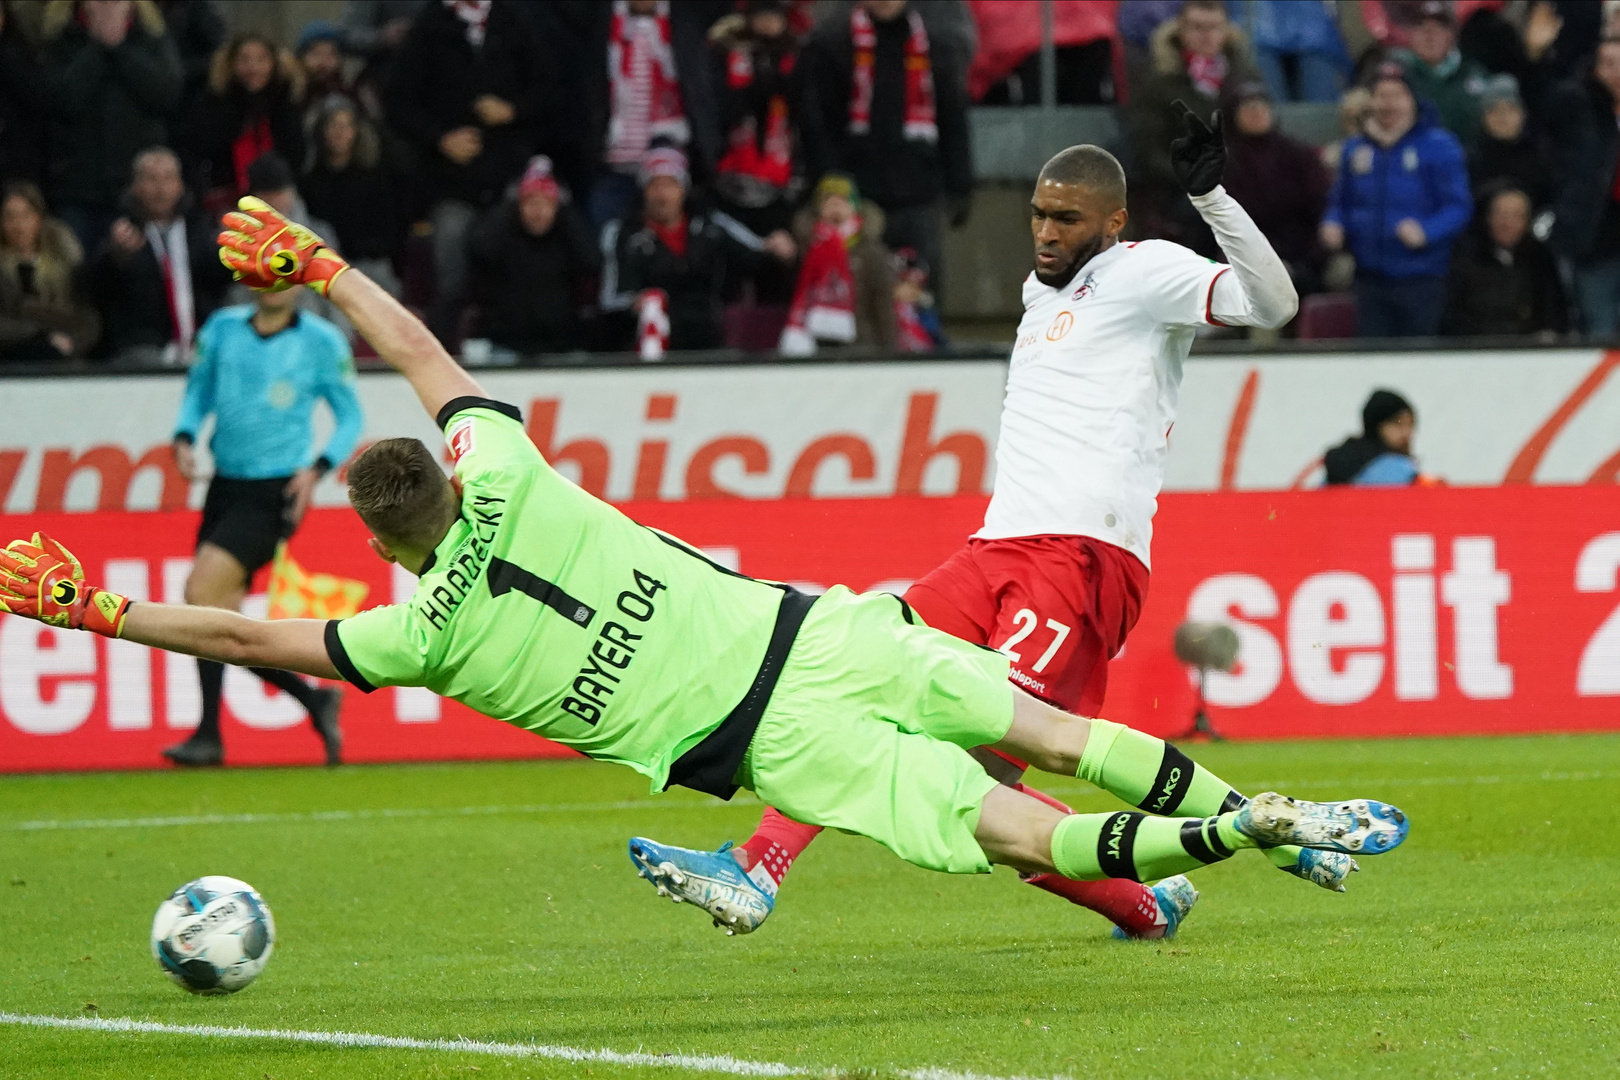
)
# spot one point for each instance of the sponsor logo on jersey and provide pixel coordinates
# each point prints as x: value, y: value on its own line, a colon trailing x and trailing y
x: 461, y: 440
x: 1060, y: 326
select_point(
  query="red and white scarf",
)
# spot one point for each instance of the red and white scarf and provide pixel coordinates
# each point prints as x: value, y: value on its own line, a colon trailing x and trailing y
x: 919, y: 122
x: 475, y: 14
x: 645, y: 96
x: 824, y: 300
x: 768, y: 159
x: 1206, y: 72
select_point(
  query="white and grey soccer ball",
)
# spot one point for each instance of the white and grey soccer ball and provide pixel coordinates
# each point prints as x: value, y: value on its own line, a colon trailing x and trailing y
x: 214, y: 935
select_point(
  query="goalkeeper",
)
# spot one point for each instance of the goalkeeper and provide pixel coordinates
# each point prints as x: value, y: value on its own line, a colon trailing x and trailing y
x: 541, y: 606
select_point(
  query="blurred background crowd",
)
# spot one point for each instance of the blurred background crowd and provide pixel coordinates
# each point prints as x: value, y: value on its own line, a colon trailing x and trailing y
x: 567, y: 177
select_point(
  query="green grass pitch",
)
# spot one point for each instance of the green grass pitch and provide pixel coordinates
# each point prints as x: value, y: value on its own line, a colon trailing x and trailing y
x: 497, y: 904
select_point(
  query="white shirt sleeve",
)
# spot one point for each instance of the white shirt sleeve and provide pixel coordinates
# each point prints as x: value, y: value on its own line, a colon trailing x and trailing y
x: 1178, y: 285
x: 1258, y: 291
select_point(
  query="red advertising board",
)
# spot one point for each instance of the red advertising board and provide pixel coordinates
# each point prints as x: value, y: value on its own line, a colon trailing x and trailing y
x: 1361, y: 613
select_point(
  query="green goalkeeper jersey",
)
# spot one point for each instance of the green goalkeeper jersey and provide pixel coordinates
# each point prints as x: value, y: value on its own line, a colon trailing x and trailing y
x: 548, y: 609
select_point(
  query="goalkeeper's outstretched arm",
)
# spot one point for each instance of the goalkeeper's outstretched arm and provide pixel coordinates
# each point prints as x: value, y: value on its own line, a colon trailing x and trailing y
x: 268, y: 252
x: 40, y: 579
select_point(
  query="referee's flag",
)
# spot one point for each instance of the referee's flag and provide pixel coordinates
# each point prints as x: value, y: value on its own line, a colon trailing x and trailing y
x: 295, y: 593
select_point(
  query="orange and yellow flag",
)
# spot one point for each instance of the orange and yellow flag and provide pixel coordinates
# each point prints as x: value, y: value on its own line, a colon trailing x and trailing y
x: 295, y: 593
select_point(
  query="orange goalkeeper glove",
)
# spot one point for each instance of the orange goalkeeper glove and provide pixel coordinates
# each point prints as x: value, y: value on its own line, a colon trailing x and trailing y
x: 42, y: 580
x: 269, y: 253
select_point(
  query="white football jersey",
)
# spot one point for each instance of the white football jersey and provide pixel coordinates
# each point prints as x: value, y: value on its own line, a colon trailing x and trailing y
x: 1091, y: 395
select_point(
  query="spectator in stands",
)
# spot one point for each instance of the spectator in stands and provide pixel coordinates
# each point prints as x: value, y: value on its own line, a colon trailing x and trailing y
x: 42, y: 316
x: 250, y: 109
x: 650, y: 86
x: 759, y: 176
x: 1503, y: 280
x: 1525, y: 51
x: 845, y: 294
x: 1279, y: 179
x: 1586, y: 146
x: 158, y: 275
x: 1505, y: 151
x: 1297, y: 46
x: 1398, y: 202
x: 112, y: 79
x: 533, y: 263
x: 197, y: 30
x: 1006, y: 70
x: 374, y: 30
x: 887, y: 104
x: 684, y: 251
x: 1193, y: 57
x: 918, y: 328
x: 1354, y: 109
x: 22, y: 105
x: 348, y: 186
x: 472, y: 93
x: 1381, y: 456
x: 320, y: 54
x: 1440, y: 73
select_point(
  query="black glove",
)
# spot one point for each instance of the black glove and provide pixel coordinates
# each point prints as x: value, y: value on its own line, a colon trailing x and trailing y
x: 1198, y: 157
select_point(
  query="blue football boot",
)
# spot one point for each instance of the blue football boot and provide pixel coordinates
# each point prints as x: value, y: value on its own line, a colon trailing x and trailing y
x: 1325, y: 868
x: 1176, y: 896
x: 1360, y: 826
x: 710, y: 879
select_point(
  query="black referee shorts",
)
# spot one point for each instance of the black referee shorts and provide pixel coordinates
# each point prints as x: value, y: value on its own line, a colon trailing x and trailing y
x: 247, y: 518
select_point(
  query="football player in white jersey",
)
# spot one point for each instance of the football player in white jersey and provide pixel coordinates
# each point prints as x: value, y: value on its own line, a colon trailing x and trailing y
x: 1058, y: 574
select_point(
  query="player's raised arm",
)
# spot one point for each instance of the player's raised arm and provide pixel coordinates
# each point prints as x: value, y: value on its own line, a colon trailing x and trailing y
x: 42, y: 580
x: 1258, y: 291
x: 266, y: 251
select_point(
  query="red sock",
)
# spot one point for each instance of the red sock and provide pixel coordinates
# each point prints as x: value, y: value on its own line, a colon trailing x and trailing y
x: 773, y: 847
x: 1127, y: 904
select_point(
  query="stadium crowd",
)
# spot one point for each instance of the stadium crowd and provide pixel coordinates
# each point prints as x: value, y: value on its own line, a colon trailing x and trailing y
x: 583, y: 175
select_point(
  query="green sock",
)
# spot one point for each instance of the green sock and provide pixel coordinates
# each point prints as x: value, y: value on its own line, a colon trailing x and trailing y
x: 1087, y: 847
x: 1154, y: 776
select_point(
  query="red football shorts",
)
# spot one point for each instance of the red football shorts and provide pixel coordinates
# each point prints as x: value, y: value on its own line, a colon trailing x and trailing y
x: 1059, y: 607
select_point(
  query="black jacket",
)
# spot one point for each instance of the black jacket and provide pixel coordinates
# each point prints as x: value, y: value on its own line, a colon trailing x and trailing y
x: 1523, y: 164
x: 531, y: 288
x: 22, y: 108
x: 106, y: 105
x: 436, y: 77
x: 892, y: 171
x: 360, y: 205
x: 715, y: 243
x: 129, y: 292
x: 1485, y: 295
x: 216, y: 120
x: 1585, y: 144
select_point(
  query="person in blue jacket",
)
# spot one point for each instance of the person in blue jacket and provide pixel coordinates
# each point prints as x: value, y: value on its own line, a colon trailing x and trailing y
x: 1399, y: 201
x: 1297, y: 46
x: 260, y: 370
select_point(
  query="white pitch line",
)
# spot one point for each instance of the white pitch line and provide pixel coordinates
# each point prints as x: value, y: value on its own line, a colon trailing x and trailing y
x: 52, y: 824
x: 1352, y: 787
x: 723, y: 1063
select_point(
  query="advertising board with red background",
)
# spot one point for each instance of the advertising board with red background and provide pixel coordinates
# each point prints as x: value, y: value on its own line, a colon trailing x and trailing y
x: 1361, y: 613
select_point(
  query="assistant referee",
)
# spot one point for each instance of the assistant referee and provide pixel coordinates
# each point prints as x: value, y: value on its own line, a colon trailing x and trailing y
x: 260, y: 370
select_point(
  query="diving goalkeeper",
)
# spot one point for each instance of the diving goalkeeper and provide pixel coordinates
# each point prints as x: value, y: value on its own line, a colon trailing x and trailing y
x: 541, y: 606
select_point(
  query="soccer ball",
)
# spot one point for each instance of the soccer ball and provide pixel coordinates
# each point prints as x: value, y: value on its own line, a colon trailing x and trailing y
x: 214, y: 935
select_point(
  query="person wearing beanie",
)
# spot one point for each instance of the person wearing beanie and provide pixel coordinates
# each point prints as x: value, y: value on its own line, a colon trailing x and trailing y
x: 1398, y: 202
x: 845, y: 291
x: 678, y: 245
x: 534, y: 263
x: 320, y: 53
x: 1440, y: 73
x: 1381, y: 456
x: 1506, y: 152
x: 1281, y: 178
